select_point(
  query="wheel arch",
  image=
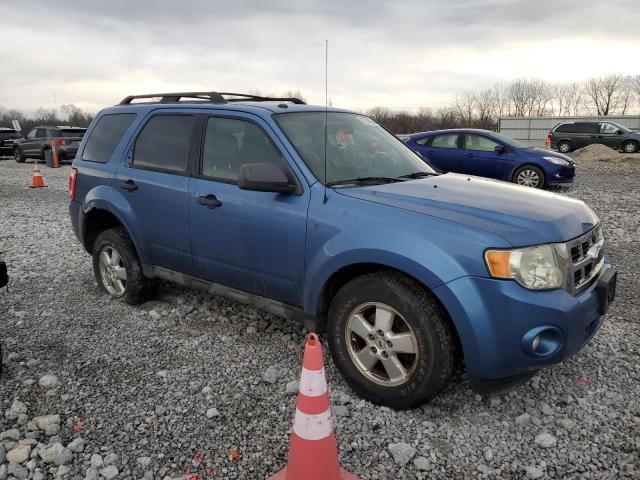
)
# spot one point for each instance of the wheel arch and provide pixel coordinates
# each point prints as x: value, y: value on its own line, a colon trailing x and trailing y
x: 345, y: 274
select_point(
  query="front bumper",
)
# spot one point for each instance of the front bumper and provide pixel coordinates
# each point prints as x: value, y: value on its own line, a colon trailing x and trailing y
x: 561, y: 175
x: 493, y: 318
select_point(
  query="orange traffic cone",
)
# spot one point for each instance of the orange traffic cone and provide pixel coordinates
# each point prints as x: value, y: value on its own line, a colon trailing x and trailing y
x: 313, y: 452
x: 37, y: 180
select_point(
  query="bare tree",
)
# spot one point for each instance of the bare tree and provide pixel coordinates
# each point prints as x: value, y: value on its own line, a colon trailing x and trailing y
x: 568, y: 98
x: 294, y: 94
x: 486, y: 105
x: 75, y: 116
x: 465, y: 106
x: 607, y: 95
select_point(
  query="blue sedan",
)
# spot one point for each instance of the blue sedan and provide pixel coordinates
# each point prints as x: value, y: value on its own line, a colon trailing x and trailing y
x: 490, y: 154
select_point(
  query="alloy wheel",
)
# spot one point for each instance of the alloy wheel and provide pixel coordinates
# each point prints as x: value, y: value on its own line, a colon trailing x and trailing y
x: 528, y: 178
x: 381, y: 344
x: 112, y: 272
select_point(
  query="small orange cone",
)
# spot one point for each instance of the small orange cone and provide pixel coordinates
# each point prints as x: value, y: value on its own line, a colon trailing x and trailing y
x: 313, y: 452
x: 37, y: 180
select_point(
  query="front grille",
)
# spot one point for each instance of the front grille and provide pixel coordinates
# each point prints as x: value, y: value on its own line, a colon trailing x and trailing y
x: 587, y: 258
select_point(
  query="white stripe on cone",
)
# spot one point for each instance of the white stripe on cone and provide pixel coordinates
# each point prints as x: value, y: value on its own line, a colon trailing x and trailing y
x: 313, y: 382
x: 313, y: 427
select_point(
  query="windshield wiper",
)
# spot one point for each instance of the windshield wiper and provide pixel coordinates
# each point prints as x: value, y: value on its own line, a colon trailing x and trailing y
x: 419, y: 175
x: 365, y: 180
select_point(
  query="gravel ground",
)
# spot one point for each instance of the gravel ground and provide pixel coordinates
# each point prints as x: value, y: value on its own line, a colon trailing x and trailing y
x: 177, y: 386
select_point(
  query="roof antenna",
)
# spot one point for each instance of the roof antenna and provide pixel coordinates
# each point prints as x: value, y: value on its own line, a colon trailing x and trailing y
x: 326, y: 114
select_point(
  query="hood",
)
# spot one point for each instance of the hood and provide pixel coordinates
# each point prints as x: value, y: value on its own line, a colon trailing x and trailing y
x: 521, y: 215
x: 549, y: 153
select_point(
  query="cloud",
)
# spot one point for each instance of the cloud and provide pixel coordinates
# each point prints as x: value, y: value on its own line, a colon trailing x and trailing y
x: 396, y: 54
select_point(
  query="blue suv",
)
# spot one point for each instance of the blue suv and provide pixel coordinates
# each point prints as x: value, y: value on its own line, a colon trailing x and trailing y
x: 493, y: 155
x: 322, y: 216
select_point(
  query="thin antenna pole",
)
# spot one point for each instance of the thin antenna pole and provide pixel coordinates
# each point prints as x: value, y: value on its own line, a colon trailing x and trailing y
x: 326, y: 113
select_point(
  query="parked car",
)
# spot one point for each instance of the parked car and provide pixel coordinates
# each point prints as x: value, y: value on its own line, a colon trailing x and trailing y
x: 7, y: 137
x: 493, y: 155
x: 407, y: 270
x: 568, y: 136
x: 34, y: 144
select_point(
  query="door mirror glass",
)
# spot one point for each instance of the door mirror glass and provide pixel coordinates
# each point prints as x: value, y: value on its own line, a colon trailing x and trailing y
x: 499, y: 149
x: 264, y: 177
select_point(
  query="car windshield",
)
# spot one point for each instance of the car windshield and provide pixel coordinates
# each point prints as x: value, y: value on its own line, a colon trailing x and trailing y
x: 508, y: 140
x: 357, y: 148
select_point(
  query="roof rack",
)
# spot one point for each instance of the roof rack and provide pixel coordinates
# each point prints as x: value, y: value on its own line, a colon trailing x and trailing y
x: 208, y: 97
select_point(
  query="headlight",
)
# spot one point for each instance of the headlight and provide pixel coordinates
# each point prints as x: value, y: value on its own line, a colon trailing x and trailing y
x: 535, y: 268
x: 557, y: 161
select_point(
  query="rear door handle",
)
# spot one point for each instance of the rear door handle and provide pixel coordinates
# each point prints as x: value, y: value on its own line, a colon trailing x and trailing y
x: 468, y: 154
x: 209, y: 201
x: 129, y: 186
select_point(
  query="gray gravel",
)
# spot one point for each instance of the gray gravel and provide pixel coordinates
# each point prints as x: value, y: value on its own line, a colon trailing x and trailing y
x: 136, y: 383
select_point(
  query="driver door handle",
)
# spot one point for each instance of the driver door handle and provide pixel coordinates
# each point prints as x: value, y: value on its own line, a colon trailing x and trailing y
x: 209, y: 201
x: 468, y: 154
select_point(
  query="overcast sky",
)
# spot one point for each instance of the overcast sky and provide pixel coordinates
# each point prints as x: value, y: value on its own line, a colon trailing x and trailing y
x: 398, y: 54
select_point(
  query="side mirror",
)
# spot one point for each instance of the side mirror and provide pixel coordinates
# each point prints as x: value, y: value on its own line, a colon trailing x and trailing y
x: 619, y: 132
x: 264, y: 177
x: 500, y: 149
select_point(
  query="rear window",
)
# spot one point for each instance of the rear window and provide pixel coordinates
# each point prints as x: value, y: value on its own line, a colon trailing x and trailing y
x: 75, y: 132
x: 105, y: 137
x: 164, y: 143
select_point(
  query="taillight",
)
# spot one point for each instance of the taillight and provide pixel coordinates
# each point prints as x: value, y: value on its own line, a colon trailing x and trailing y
x: 72, y: 183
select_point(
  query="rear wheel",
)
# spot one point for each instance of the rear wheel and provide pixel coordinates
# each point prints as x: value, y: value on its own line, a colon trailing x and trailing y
x: 565, y: 147
x: 391, y: 340
x: 529, y: 176
x: 18, y: 155
x: 117, y: 269
x: 630, y: 146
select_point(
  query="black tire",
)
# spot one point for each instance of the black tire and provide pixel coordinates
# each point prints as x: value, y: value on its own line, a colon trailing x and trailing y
x: 436, y: 345
x: 529, y: 170
x: 565, y: 146
x: 18, y: 155
x: 630, y: 146
x: 138, y: 288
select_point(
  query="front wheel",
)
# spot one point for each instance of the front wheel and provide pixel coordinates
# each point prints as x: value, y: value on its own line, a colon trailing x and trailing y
x: 18, y: 155
x: 117, y: 269
x: 529, y: 176
x: 391, y: 340
x: 630, y: 147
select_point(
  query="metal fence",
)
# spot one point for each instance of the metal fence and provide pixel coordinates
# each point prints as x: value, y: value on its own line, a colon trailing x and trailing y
x: 534, y: 130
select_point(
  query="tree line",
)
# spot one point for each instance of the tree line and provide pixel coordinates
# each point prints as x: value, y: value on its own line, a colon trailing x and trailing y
x: 600, y: 96
x: 69, y: 115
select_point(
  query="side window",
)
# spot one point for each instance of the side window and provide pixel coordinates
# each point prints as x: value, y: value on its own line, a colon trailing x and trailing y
x: 41, y: 133
x: 607, y: 128
x: 423, y: 140
x: 480, y: 143
x: 105, y: 136
x: 445, y: 141
x: 587, y: 127
x: 164, y: 143
x: 32, y: 134
x: 230, y: 143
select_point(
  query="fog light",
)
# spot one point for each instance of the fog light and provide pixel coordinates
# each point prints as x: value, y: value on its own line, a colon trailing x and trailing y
x: 542, y: 342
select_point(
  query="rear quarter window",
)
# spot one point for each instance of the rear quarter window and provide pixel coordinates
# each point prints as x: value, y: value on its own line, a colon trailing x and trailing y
x: 105, y: 136
x: 566, y: 128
